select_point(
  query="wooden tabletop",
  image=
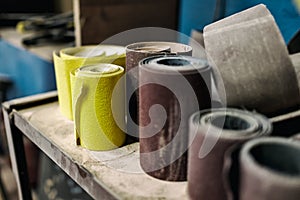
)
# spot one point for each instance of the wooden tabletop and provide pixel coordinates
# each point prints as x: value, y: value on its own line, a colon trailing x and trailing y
x: 114, y: 174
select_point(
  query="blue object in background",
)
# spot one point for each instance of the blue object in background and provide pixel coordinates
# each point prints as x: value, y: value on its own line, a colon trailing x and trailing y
x: 286, y: 15
x: 30, y: 74
x: 195, y: 14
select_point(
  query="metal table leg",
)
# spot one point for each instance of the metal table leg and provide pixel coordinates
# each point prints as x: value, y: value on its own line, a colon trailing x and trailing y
x: 17, y: 155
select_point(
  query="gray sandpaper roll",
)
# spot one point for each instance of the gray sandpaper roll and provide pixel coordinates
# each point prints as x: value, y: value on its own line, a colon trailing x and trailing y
x: 295, y: 58
x: 217, y: 130
x: 251, y: 56
x: 181, y: 85
x: 270, y: 169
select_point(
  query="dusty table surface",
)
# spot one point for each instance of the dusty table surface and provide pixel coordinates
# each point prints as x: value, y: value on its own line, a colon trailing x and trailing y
x: 43, y: 51
x: 107, y: 174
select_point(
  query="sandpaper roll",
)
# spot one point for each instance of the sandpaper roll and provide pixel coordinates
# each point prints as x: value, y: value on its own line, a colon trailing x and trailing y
x: 69, y: 59
x: 270, y: 169
x: 94, y: 122
x: 171, y: 89
x: 215, y: 131
x: 250, y: 54
x: 136, y: 52
x: 231, y: 172
x: 295, y: 58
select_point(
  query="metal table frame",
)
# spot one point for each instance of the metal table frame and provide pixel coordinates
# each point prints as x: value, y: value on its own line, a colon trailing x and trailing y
x: 97, y: 178
x: 17, y: 125
x: 16, y: 145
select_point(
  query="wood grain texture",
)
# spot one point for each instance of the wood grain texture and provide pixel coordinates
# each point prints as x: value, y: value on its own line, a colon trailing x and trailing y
x: 98, y: 20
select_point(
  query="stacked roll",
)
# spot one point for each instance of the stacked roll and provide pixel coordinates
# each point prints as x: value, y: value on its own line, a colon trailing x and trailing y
x: 270, y: 169
x: 171, y: 89
x: 69, y: 59
x: 212, y: 133
x: 95, y: 123
x: 134, y: 54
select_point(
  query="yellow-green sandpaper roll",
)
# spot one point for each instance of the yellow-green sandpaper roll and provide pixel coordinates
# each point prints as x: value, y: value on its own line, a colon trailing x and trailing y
x: 69, y: 59
x: 92, y: 89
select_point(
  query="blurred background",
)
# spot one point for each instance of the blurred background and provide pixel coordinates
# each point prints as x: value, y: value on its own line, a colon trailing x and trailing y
x: 195, y: 14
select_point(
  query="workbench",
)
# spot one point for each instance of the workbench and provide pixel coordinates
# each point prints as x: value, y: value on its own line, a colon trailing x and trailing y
x: 114, y: 174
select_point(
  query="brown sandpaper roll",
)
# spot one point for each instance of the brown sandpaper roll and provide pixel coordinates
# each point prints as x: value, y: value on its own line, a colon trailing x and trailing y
x: 270, y: 169
x: 250, y: 54
x: 180, y: 85
x: 211, y: 133
x: 136, y: 52
x: 231, y: 172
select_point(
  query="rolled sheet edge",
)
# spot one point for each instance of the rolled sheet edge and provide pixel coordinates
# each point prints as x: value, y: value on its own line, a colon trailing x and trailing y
x: 212, y: 133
